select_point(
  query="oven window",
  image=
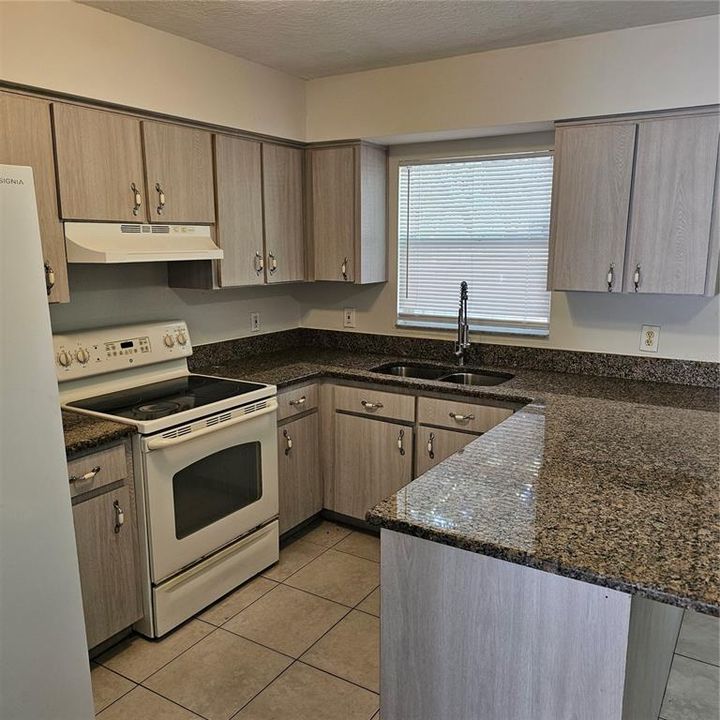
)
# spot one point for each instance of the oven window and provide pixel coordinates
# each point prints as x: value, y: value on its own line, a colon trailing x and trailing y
x: 216, y: 486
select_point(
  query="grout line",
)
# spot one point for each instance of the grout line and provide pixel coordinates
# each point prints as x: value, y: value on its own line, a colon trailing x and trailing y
x: 332, y: 674
x: 690, y: 657
x: 309, y: 592
x: 207, y: 622
x: 154, y: 693
x: 120, y: 696
x: 672, y: 661
x: 277, y: 677
x: 346, y: 552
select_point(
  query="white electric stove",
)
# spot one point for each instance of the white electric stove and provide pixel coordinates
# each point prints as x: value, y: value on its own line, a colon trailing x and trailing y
x: 205, y: 461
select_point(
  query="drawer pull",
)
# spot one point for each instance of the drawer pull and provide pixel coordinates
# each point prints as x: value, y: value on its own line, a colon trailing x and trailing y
x: 288, y: 442
x: 461, y: 418
x: 611, y: 277
x: 344, y: 269
x: 370, y: 405
x: 400, y: 438
x: 297, y: 403
x: 258, y: 263
x: 137, y: 198
x: 430, y: 448
x: 272, y: 262
x: 87, y: 476
x: 636, y: 278
x: 161, y: 198
x: 119, y: 516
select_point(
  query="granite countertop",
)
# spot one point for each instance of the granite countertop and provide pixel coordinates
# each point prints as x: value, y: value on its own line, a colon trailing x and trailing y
x: 609, y: 481
x: 84, y: 432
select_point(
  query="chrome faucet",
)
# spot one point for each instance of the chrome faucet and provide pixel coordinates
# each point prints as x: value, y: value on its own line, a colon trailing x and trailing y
x: 463, y: 329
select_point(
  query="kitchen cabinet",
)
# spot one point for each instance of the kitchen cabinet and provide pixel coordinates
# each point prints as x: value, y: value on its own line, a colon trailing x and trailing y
x: 26, y: 139
x: 347, y: 212
x: 633, y: 203
x: 372, y: 459
x: 672, y: 203
x: 107, y: 542
x: 458, y: 415
x: 178, y: 173
x: 283, y: 199
x: 99, y: 165
x: 435, y: 445
x: 299, y: 477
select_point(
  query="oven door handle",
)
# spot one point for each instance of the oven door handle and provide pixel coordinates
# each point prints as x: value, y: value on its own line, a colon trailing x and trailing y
x: 159, y: 443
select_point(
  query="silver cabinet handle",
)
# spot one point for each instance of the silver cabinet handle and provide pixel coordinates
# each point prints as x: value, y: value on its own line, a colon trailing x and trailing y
x: 344, y: 269
x: 161, y: 199
x: 401, y: 437
x: 288, y: 442
x: 119, y: 516
x: 137, y: 198
x: 258, y: 262
x: 272, y: 262
x: 636, y: 277
x: 461, y: 418
x: 430, y: 446
x: 370, y: 405
x: 296, y: 403
x: 49, y: 277
x: 611, y: 277
x: 87, y: 476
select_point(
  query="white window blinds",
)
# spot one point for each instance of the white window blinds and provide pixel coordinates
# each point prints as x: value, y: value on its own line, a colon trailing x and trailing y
x: 485, y: 221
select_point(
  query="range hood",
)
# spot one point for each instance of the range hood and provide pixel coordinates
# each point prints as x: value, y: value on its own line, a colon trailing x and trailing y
x: 94, y: 242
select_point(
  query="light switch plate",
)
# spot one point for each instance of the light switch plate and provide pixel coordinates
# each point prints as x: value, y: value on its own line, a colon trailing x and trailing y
x: 349, y: 317
x: 255, y: 322
x: 650, y: 338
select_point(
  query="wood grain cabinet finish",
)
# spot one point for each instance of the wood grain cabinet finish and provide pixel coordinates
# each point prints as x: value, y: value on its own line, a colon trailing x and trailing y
x: 435, y: 445
x: 591, y: 197
x: 373, y: 459
x: 459, y: 415
x: 375, y: 403
x: 26, y: 139
x: 283, y: 198
x: 179, y: 173
x: 348, y: 213
x: 99, y: 165
x: 108, y: 563
x: 239, y: 225
x: 669, y: 241
x: 299, y: 476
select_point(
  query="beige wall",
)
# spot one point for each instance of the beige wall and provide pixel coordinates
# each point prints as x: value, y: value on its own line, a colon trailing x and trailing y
x: 578, y: 321
x: 658, y: 66
x: 77, y: 49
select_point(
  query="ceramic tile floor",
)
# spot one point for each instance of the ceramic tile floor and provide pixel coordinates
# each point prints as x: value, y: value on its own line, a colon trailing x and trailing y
x: 301, y: 641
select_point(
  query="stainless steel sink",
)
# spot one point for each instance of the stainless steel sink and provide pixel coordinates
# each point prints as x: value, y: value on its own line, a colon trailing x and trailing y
x: 470, y: 378
x: 412, y: 371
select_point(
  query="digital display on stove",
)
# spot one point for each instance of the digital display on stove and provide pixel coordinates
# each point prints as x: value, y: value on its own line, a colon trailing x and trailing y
x: 126, y: 344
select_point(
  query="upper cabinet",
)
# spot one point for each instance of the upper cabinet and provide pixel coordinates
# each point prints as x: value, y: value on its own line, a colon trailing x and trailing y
x: 347, y: 217
x: 178, y: 173
x: 99, y: 165
x: 633, y: 205
x: 26, y: 139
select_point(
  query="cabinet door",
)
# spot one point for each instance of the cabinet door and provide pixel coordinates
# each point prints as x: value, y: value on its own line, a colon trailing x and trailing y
x: 238, y: 178
x: 108, y: 565
x: 284, y: 217
x: 179, y: 174
x: 369, y: 464
x: 300, y: 484
x: 332, y: 172
x: 591, y: 197
x: 26, y: 139
x: 672, y: 205
x: 434, y: 445
x: 99, y: 162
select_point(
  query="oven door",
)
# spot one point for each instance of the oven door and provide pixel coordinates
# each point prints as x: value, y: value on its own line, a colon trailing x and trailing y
x: 208, y: 483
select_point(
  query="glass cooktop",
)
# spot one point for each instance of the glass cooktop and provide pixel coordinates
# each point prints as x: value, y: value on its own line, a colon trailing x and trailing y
x: 160, y: 399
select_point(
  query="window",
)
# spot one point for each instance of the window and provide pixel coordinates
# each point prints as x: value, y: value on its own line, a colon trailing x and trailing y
x: 486, y: 221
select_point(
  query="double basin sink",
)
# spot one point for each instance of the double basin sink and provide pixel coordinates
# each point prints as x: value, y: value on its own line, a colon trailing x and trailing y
x: 443, y: 374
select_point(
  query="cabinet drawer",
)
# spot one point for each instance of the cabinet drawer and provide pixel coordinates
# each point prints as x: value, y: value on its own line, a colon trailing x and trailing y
x: 460, y: 415
x: 97, y: 470
x: 375, y: 403
x: 299, y: 400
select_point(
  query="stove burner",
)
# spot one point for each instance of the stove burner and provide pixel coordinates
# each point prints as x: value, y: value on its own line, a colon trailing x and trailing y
x: 152, y: 411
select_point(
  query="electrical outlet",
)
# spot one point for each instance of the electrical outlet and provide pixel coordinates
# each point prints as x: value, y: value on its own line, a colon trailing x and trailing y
x: 255, y: 322
x: 649, y: 338
x: 349, y: 317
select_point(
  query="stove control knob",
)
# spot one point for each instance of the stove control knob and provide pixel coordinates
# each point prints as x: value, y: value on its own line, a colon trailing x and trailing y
x: 169, y: 340
x: 82, y: 356
x: 181, y: 337
x: 64, y: 358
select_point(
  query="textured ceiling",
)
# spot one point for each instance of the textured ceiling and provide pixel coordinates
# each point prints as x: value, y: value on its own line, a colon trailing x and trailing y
x: 316, y: 38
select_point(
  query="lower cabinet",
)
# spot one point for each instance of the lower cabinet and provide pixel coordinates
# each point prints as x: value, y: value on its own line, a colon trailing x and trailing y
x: 299, y: 477
x: 435, y: 445
x: 107, y: 549
x: 373, y: 459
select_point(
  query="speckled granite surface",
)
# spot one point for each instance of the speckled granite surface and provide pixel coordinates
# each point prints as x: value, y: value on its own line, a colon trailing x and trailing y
x: 84, y: 432
x: 609, y: 481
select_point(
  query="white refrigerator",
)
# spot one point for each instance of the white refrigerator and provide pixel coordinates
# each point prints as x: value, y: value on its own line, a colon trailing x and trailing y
x: 44, y: 671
